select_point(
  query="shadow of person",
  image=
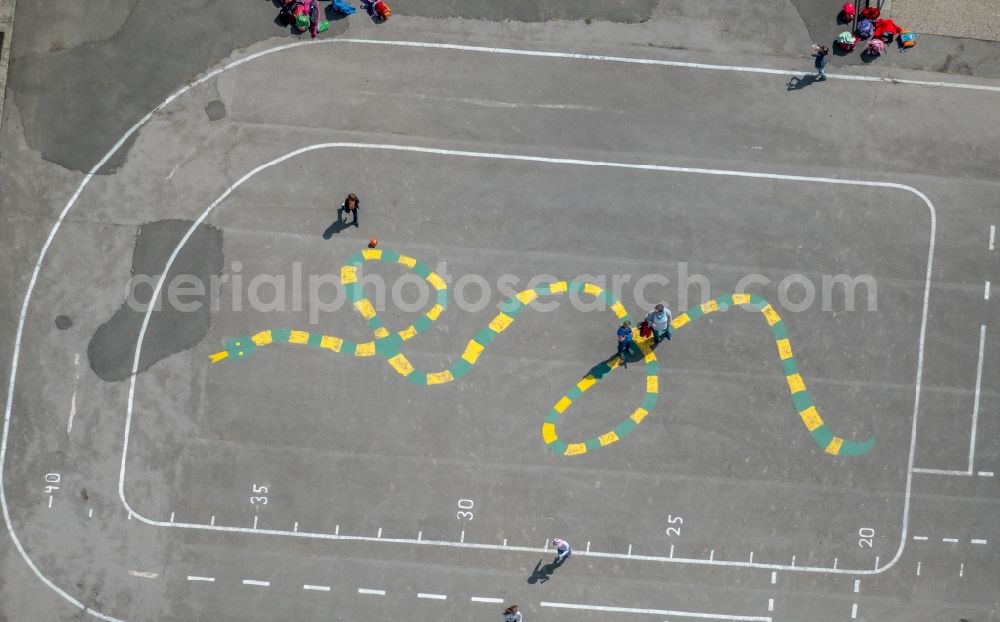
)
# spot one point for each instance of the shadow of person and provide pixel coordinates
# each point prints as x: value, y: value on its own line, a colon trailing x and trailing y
x: 336, y: 227
x: 797, y: 83
x: 541, y: 573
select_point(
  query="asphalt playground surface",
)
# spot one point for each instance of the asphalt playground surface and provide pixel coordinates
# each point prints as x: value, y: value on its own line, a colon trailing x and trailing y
x: 318, y: 479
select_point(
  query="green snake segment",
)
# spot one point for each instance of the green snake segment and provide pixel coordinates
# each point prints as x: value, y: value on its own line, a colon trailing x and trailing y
x: 388, y: 344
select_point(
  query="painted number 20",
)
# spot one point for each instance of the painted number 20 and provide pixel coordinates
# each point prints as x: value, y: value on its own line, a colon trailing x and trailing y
x: 465, y: 505
x: 865, y: 537
x: 674, y: 520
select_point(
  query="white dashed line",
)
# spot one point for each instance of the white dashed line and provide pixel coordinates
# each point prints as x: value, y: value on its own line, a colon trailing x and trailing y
x: 986, y: 474
x: 72, y: 400
x: 986, y: 291
x: 365, y: 590
x: 854, y: 611
x: 918, y: 568
x: 142, y: 575
x: 256, y: 583
x: 978, y: 541
x: 919, y: 537
x: 192, y: 577
x: 961, y: 570
x: 484, y: 599
x: 90, y: 514
x: 774, y: 578
x: 770, y: 604
x: 950, y: 540
x: 316, y: 588
x: 432, y: 596
x: 857, y: 585
x: 993, y: 235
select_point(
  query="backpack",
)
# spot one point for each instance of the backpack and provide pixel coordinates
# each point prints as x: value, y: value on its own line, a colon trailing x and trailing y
x: 866, y: 28
x: 907, y: 39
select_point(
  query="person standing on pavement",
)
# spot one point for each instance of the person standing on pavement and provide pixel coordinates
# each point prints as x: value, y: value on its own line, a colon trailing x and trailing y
x: 624, y: 341
x: 352, y: 205
x: 659, y: 320
x: 820, y: 52
x: 562, y: 548
x: 511, y: 614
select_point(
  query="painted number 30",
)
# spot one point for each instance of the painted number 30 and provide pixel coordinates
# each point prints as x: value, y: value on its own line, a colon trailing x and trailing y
x: 465, y: 505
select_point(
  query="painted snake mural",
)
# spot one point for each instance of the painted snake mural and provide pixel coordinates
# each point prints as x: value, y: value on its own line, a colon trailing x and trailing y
x: 388, y: 345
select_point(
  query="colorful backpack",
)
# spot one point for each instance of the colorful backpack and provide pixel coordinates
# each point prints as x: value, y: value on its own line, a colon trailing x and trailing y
x: 907, y: 39
x: 849, y: 12
x: 865, y: 28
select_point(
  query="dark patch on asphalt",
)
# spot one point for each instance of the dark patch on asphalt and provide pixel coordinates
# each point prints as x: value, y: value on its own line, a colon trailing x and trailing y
x: 63, y: 322
x: 170, y: 329
x: 215, y: 110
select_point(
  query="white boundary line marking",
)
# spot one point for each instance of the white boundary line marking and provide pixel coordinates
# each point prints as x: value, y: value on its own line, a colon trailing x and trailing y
x: 941, y: 472
x: 256, y: 583
x: 432, y: 596
x: 993, y: 236
x: 365, y: 590
x: 659, y: 612
x: 316, y: 588
x: 483, y: 599
x: 979, y: 384
x: 978, y: 541
x: 197, y: 578
x: 986, y: 291
x: 22, y: 317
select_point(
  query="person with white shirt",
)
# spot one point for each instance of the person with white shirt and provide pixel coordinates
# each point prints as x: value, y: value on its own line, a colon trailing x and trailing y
x: 659, y: 321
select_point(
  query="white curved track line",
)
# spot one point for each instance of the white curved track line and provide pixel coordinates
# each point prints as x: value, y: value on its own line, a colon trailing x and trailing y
x: 15, y: 357
x: 541, y: 160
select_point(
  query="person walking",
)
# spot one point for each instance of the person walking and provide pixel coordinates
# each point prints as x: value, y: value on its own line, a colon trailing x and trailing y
x: 352, y: 205
x: 659, y: 321
x: 562, y: 548
x: 624, y: 341
x: 511, y: 614
x: 820, y: 52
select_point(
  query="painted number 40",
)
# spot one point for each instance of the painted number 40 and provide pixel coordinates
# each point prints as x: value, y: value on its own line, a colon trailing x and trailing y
x: 677, y: 521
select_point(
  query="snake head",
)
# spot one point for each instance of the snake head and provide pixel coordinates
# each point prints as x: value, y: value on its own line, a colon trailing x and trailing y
x: 240, y: 348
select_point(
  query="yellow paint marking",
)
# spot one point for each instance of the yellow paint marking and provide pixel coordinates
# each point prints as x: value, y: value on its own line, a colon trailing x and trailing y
x: 650, y: 355
x: 262, y: 338
x: 741, y: 299
x: 436, y: 281
x: 501, y: 322
x: 771, y: 315
x: 652, y: 384
x: 575, y: 449
x: 435, y: 311
x: 795, y: 383
x: 680, y: 320
x: 408, y: 333
x: 563, y: 403
x: 439, y: 377
x: 219, y: 356
x: 639, y: 414
x: 834, y: 447
x: 348, y: 274
x: 401, y: 364
x: 607, y: 439
x: 784, y: 349
x: 527, y: 296
x: 619, y: 310
x: 372, y: 253
x: 381, y: 332
x: 811, y: 418
x: 407, y: 261
x: 549, y: 433
x: 709, y: 307
x: 586, y: 383
x: 365, y: 349
x: 593, y: 290
x: 331, y: 343
x: 365, y: 308
x: 558, y: 287
x: 298, y: 336
x: 472, y: 352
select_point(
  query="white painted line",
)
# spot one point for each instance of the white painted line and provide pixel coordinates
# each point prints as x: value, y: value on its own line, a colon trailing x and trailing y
x: 462, y: 538
x: 295, y: 527
x: 50, y: 501
x: 659, y: 612
x: 256, y: 583
x: 588, y: 546
x: 130, y: 513
x: 483, y: 599
x: 379, y: 533
x: 986, y: 291
x: 950, y: 540
x: 978, y: 541
x: 630, y: 550
x: 941, y: 472
x: 212, y: 522
x: 72, y: 399
x: 90, y: 513
x: 835, y: 563
x: 142, y: 575
x: 986, y: 474
x: 316, y: 588
x: 254, y: 521
x: 770, y: 604
x: 919, y: 537
x: 505, y: 542
x: 961, y: 569
x: 876, y: 561
x: 993, y: 236
x: 793, y: 561
x: 432, y: 596
x: 365, y: 590
x: 918, y: 568
x: 854, y: 611
x: 711, y: 555
x: 671, y: 551
x: 774, y: 577
x: 336, y: 531
x: 857, y: 585
x: 751, y: 557
x: 171, y: 517
x: 979, y: 384
x: 204, y: 579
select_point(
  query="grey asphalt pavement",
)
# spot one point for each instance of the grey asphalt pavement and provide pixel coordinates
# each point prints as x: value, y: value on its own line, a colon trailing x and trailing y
x: 308, y: 484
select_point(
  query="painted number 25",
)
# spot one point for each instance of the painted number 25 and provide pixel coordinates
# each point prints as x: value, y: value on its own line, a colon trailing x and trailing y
x: 464, y: 506
x: 674, y: 520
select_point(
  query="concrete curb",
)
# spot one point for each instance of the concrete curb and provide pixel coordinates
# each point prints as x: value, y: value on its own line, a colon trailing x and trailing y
x: 6, y: 32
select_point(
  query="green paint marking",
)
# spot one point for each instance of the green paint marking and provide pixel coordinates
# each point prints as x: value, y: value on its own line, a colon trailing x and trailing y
x: 389, y: 346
